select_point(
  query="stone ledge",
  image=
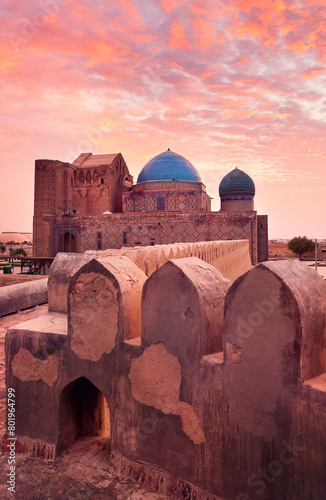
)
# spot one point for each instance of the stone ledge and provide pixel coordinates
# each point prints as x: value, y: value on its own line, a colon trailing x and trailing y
x: 317, y: 383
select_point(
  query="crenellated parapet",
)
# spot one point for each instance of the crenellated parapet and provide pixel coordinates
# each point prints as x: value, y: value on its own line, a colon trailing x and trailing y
x: 231, y: 258
x: 205, y: 387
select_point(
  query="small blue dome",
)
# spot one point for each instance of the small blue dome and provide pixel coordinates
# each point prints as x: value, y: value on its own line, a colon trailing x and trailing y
x: 237, y: 182
x: 168, y: 166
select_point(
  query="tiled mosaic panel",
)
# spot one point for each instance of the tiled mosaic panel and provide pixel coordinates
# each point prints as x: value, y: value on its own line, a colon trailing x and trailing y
x: 150, y: 203
x: 130, y: 203
x: 171, y: 202
x: 174, y: 202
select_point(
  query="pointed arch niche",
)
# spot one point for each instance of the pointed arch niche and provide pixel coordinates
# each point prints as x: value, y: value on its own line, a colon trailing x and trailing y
x: 83, y: 411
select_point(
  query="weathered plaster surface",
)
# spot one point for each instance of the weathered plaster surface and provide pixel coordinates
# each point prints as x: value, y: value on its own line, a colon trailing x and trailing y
x: 94, y: 315
x: 233, y: 353
x: 308, y: 290
x: 49, y: 323
x: 184, y: 299
x: 256, y: 335
x: 27, y: 367
x: 131, y: 280
x: 102, y: 426
x: 64, y: 266
x: 155, y: 381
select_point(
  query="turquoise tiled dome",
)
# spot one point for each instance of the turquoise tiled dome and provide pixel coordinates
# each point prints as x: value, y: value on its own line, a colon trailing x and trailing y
x: 168, y: 166
x: 237, y: 182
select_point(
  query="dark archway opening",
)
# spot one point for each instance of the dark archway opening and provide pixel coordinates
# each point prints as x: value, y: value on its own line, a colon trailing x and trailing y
x: 67, y: 243
x: 83, y: 411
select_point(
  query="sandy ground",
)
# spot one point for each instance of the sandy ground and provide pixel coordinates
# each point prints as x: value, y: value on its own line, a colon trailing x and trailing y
x: 83, y: 472
x: 279, y: 250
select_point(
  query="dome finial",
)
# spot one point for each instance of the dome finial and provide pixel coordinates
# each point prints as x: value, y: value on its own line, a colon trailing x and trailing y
x: 169, y: 149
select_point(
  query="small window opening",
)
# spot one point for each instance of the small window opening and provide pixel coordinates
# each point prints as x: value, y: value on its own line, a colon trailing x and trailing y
x: 160, y: 199
x: 99, y: 241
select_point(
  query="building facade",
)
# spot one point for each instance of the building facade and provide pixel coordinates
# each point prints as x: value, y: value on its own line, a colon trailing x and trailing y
x: 92, y: 204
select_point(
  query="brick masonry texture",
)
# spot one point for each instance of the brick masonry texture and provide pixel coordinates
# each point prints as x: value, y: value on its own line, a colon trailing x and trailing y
x: 142, y: 229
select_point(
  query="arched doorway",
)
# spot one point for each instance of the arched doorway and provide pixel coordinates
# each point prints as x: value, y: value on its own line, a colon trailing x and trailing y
x: 67, y: 242
x: 83, y: 411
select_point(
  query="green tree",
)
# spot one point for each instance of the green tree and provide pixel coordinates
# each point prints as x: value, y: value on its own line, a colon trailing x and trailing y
x: 2, y: 248
x: 20, y: 251
x: 301, y: 245
x: 11, y: 255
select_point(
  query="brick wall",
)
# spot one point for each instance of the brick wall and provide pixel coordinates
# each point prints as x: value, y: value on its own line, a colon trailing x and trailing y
x: 44, y: 241
x: 130, y: 230
x: 53, y: 187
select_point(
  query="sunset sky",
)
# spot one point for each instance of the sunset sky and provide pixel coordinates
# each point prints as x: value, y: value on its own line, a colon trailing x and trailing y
x: 223, y: 83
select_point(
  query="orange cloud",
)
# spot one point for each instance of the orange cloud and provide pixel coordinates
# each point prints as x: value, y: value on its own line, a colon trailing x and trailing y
x: 244, y: 60
x: 255, y: 29
x: 178, y: 38
x: 10, y: 62
x: 210, y: 9
x: 101, y: 52
x: 263, y: 5
x: 175, y: 65
x: 171, y: 5
x: 205, y: 33
x: 311, y: 73
x: 131, y: 10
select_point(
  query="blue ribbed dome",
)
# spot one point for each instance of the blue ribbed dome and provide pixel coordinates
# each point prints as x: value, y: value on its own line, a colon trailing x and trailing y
x: 237, y: 182
x: 168, y: 166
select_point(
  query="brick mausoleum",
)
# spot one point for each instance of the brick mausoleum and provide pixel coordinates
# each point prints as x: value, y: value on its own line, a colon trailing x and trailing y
x: 93, y: 204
